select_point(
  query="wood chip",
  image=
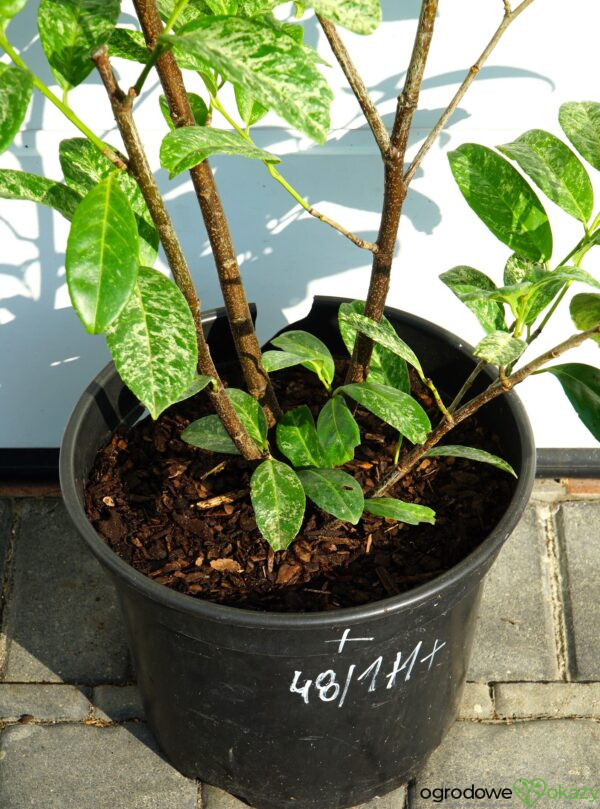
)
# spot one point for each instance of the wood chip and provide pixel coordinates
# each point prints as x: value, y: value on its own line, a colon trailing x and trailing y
x: 199, y: 561
x: 287, y: 573
x: 369, y: 543
x: 214, y: 471
x: 213, y: 502
x: 108, y: 501
x: 226, y: 566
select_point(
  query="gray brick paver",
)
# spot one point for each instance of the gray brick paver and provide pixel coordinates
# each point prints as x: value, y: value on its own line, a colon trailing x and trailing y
x: 5, y: 515
x: 515, y: 638
x: 579, y: 524
x: 117, y: 703
x: 63, y: 621
x: 554, y: 700
x: 214, y: 798
x: 85, y: 767
x: 55, y: 703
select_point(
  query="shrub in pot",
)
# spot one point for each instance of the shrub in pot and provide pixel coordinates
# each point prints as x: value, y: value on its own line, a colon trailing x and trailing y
x: 288, y: 648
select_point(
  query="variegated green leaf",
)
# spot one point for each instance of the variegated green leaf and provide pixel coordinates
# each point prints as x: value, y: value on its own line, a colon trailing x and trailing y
x: 335, y: 491
x: 266, y: 62
x: 581, y: 383
x: 392, y: 509
x: 580, y: 121
x: 153, y: 342
x: 278, y: 500
x: 337, y: 431
x: 22, y: 185
x: 184, y: 148
x: 208, y: 433
x: 16, y: 87
x: 312, y: 352
x: 383, y: 336
x: 585, y: 312
x: 466, y: 280
x: 360, y: 16
x: 197, y: 385
x: 250, y: 413
x: 102, y: 255
x: 70, y: 30
x: 10, y: 8
x: 198, y: 105
x: 126, y: 43
x: 393, y: 406
x: 471, y: 454
x: 297, y: 438
x: 500, y: 348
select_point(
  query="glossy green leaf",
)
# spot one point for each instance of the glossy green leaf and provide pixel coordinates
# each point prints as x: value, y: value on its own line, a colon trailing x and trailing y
x: 564, y: 274
x: 222, y: 6
x: 84, y: 167
x: 500, y: 348
x: 503, y: 200
x: 539, y: 299
x: 585, y: 312
x: 193, y: 11
x: 250, y: 110
x: 198, y: 105
x: 267, y: 63
x: 297, y: 438
x: 278, y: 360
x: 337, y: 431
x: 278, y: 500
x: 126, y: 43
x: 10, y: 8
x: 555, y: 169
x: 250, y: 413
x: 153, y: 342
x: 466, y: 280
x: 16, y: 87
x: 383, y: 336
x: 314, y: 353
x: 102, y: 255
x: 581, y: 383
x: 393, y: 406
x: 471, y: 454
x: 580, y: 121
x: 21, y: 185
x: 518, y: 268
x: 386, y: 367
x: 70, y: 30
x: 208, y: 433
x: 360, y: 16
x: 409, y: 513
x: 184, y: 148
x: 198, y: 384
x: 334, y: 491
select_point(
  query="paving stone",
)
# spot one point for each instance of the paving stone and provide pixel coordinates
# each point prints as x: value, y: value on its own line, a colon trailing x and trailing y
x: 63, y: 621
x: 214, y: 798
x: 515, y: 637
x: 522, y: 700
x: 579, y: 524
x: 548, y: 490
x: 57, y: 703
x: 86, y: 767
x: 5, y: 513
x: 117, y: 703
x: 476, y: 702
x: 562, y: 752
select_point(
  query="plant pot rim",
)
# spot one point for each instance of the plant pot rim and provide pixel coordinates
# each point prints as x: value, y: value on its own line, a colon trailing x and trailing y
x: 349, y: 616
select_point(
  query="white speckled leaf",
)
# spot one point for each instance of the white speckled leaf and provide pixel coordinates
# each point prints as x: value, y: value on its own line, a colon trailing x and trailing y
x: 297, y: 438
x: 409, y: 513
x: 126, y: 43
x: 84, y: 167
x: 16, y: 87
x: 393, y: 406
x: 184, y: 148
x: 197, y: 385
x: 360, y: 16
x: 267, y: 63
x: 580, y: 121
x: 102, y: 255
x: 153, y: 342
x: 503, y: 200
x: 208, y: 433
x: 337, y: 431
x: 383, y: 336
x: 466, y: 280
x: 250, y: 413
x: 555, y: 169
x: 585, y: 312
x: 198, y: 105
x: 22, y: 185
x: 317, y: 357
x: 10, y: 8
x: 335, y: 491
x: 386, y: 367
x: 500, y: 348
x: 70, y: 30
x: 472, y: 454
x: 278, y: 500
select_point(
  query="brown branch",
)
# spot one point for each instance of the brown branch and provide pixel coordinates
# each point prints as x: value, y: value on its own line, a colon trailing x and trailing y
x: 234, y: 296
x: 362, y: 243
x: 122, y: 109
x: 359, y: 89
x: 492, y: 392
x: 395, y: 190
x: 509, y: 17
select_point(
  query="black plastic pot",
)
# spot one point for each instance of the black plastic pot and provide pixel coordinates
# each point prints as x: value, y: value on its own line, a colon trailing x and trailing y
x: 317, y: 711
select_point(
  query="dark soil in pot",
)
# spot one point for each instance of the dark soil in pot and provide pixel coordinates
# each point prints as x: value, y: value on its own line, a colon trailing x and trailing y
x: 183, y: 516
